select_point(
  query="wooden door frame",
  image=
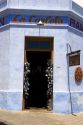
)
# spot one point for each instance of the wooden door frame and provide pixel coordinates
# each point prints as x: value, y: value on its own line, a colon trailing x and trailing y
x: 40, y: 39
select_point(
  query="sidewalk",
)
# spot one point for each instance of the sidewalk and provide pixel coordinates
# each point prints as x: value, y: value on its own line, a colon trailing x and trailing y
x: 39, y: 117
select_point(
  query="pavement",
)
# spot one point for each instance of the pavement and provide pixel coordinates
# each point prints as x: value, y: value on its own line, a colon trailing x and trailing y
x: 39, y: 117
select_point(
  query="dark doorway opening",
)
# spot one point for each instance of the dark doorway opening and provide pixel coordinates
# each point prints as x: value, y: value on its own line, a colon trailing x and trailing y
x: 37, y: 79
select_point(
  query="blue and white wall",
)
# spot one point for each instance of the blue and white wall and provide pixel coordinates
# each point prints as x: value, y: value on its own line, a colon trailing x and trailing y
x: 4, y: 64
x: 12, y: 40
x: 62, y: 103
x: 13, y: 49
x: 10, y: 91
x: 12, y: 64
x: 76, y: 43
x: 15, y: 66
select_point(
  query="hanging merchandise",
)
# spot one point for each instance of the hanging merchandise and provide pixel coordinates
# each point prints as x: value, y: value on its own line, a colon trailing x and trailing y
x: 26, y: 80
x: 49, y: 75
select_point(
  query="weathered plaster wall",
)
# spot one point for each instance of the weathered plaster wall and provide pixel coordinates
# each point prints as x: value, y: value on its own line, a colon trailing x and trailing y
x: 76, y: 8
x: 11, y: 84
x: 17, y: 36
x: 76, y: 43
x: 3, y: 5
x: 16, y: 59
x: 4, y: 58
x: 40, y: 4
x: 10, y: 91
x: 12, y: 56
x: 4, y: 63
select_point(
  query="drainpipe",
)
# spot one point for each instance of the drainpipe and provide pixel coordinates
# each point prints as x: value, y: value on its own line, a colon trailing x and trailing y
x: 70, y: 96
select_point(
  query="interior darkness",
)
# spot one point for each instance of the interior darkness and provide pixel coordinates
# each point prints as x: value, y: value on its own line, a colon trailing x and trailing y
x: 37, y: 79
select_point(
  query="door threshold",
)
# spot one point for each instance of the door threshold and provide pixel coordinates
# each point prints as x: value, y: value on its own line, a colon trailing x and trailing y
x: 43, y: 109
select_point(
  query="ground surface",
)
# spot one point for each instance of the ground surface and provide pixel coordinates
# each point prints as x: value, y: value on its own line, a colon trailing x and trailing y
x: 39, y: 117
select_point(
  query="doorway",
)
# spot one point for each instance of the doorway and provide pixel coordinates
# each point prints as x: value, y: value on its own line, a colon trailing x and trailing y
x: 38, y: 51
x: 37, y: 79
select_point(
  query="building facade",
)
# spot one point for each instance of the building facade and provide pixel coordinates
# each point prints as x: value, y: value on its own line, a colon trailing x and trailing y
x: 34, y: 26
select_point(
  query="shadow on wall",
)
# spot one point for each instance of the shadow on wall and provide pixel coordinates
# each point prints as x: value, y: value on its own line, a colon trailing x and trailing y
x: 78, y: 83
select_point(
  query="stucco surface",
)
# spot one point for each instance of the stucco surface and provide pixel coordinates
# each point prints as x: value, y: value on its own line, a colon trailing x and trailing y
x: 38, y: 4
x: 13, y: 44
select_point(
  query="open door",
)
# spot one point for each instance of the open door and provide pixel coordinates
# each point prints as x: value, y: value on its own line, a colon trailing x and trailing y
x: 39, y: 84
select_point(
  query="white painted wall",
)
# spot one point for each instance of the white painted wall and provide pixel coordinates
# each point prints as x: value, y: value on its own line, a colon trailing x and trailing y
x: 12, y: 64
x: 16, y: 64
x: 12, y: 56
x: 61, y: 38
x: 3, y: 4
x: 60, y: 62
x: 40, y: 4
x: 17, y: 37
x: 76, y: 42
x: 4, y: 58
x: 76, y: 8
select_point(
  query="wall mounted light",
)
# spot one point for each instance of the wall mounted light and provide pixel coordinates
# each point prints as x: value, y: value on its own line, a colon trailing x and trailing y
x: 39, y: 24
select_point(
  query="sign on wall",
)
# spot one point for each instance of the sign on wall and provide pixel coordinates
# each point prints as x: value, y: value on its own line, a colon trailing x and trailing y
x: 33, y: 19
x: 45, y: 19
x: 74, y: 58
x: 76, y: 24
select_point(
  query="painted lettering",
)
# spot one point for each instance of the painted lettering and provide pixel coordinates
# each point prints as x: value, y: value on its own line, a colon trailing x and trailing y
x: 58, y: 20
x: 72, y: 22
x: 22, y: 20
x: 45, y: 19
x: 76, y: 24
x: 19, y: 18
x: 31, y: 18
x: 2, y: 21
x: 15, y: 18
